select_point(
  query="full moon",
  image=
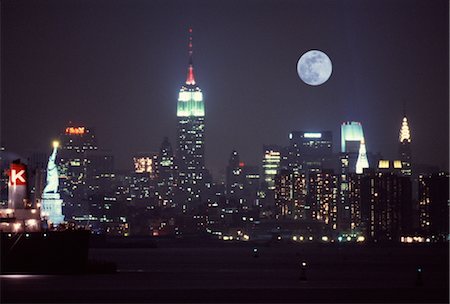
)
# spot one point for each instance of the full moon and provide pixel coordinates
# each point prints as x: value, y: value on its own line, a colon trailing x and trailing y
x: 314, y: 67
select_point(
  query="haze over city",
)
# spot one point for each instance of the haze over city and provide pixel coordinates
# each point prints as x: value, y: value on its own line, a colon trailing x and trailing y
x: 237, y: 151
x: 117, y: 67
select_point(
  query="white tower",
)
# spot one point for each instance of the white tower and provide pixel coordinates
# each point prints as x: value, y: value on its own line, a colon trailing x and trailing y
x: 362, y: 161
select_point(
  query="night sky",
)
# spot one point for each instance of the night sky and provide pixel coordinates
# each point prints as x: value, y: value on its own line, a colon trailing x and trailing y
x: 117, y: 66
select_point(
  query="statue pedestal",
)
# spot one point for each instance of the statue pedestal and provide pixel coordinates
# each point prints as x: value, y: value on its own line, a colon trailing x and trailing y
x: 51, y: 208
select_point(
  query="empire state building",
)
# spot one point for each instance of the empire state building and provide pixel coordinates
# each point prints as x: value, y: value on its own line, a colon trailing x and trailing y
x: 191, y: 134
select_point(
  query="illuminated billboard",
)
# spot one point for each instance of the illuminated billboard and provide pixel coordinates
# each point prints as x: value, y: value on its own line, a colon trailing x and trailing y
x: 75, y: 130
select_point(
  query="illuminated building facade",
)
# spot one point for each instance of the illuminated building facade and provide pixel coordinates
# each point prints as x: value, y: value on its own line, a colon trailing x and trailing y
x: 191, y: 136
x: 353, y: 159
x: 433, y: 205
x: 165, y: 175
x: 354, y: 203
x: 323, y: 195
x: 76, y: 144
x: 290, y: 195
x: 145, y: 163
x: 362, y: 161
x: 386, y: 200
x: 385, y: 165
x: 271, y: 165
x: 310, y: 151
x: 405, y: 147
x: 353, y: 155
x: 235, y: 179
x: 252, y: 185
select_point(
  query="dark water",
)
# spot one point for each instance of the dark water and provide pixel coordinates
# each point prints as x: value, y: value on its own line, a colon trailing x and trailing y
x: 233, y: 274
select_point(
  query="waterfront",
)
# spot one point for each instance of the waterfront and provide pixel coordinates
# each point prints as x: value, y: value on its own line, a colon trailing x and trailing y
x: 231, y: 273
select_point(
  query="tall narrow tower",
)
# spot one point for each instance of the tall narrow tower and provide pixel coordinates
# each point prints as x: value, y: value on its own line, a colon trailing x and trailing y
x: 191, y: 131
x: 404, y: 149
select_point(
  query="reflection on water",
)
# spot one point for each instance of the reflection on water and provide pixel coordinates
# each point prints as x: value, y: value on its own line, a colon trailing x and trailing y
x: 22, y: 276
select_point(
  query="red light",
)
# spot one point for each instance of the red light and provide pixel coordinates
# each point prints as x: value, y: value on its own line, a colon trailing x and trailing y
x: 241, y: 164
x: 190, y: 78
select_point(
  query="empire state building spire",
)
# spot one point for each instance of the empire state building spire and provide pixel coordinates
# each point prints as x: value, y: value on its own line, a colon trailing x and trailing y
x: 190, y: 156
x: 190, y: 98
x: 190, y: 80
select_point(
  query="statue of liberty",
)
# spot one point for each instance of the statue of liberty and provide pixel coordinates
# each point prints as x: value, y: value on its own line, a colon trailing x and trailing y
x: 51, y: 209
x: 52, y: 172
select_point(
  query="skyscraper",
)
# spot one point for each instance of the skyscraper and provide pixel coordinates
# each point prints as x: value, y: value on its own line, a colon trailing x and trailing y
x: 235, y: 178
x: 352, y: 137
x: 191, y: 133
x: 76, y: 143
x: 433, y: 205
x: 353, y: 160
x: 386, y: 205
x: 323, y: 197
x: 165, y: 172
x: 404, y: 149
x: 271, y: 165
x: 310, y: 151
x: 290, y: 195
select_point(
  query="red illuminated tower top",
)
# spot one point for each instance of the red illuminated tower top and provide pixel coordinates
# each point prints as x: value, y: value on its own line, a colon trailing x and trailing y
x: 190, y: 80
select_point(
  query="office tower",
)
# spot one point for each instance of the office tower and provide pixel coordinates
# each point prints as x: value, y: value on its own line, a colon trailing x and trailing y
x: 353, y: 158
x: 191, y: 133
x: 76, y: 142
x: 433, y: 205
x: 141, y: 181
x: 323, y: 197
x: 165, y: 174
x: 271, y: 165
x: 290, y: 195
x: 100, y: 171
x: 352, y: 137
x: 235, y: 179
x: 354, y: 202
x: 387, y: 205
x: 310, y: 151
x: 252, y: 185
x: 404, y: 149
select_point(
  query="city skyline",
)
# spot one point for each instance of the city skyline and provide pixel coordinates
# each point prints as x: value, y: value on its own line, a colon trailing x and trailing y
x: 236, y: 151
x: 240, y: 113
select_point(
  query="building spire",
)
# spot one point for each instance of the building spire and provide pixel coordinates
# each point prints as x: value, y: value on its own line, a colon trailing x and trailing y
x: 362, y: 161
x: 190, y: 80
x: 405, y: 134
